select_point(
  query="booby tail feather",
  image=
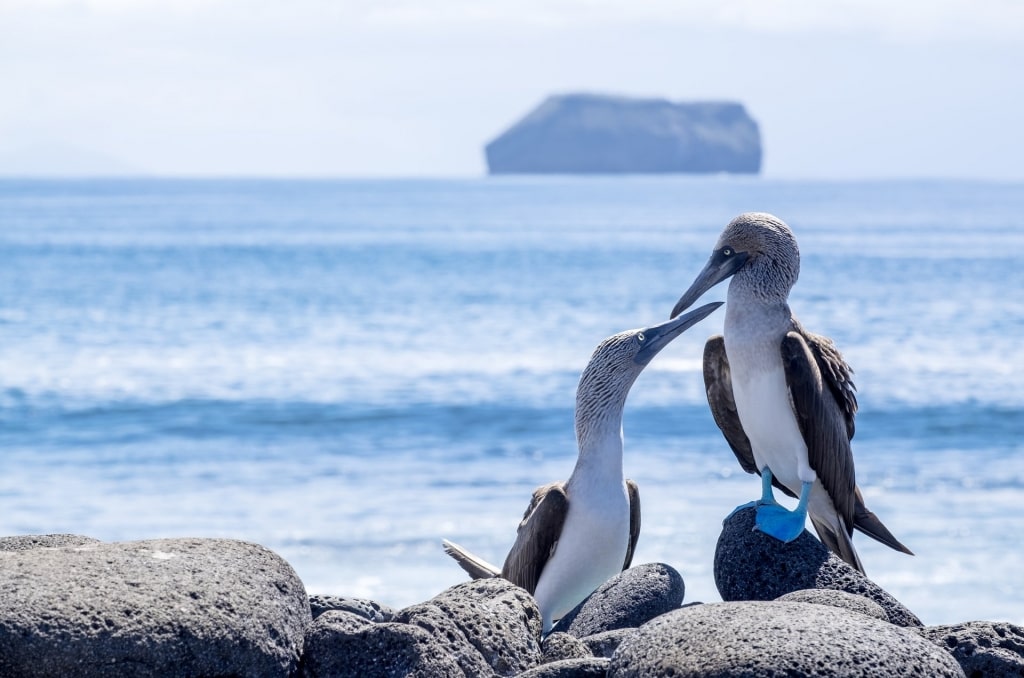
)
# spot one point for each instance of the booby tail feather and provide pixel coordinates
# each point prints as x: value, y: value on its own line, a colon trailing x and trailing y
x: 868, y: 523
x: 476, y: 567
x: 838, y: 541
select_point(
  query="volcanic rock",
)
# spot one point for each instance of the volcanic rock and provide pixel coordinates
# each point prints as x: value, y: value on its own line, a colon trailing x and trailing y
x: 750, y: 565
x: 162, y: 607
x: 758, y: 639
x: 628, y: 599
x: 983, y: 649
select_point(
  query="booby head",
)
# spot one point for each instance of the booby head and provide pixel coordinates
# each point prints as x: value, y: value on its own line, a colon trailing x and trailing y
x: 618, y: 361
x: 755, y: 245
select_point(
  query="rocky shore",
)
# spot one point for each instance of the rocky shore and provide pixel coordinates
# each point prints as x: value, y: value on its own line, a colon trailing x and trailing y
x: 73, y: 606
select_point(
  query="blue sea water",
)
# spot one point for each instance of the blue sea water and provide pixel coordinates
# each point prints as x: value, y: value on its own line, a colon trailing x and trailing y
x: 348, y: 371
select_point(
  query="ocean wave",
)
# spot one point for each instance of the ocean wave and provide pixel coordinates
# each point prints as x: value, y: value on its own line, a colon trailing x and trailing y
x: 956, y: 425
x: 52, y: 421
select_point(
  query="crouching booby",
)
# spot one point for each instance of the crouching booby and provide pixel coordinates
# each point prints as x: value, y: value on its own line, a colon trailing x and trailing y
x: 782, y: 396
x: 577, y: 534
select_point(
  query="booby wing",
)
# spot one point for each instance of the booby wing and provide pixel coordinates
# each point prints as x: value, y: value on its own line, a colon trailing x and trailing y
x: 634, y: 520
x: 718, y: 384
x: 837, y: 376
x: 549, y: 497
x: 826, y: 434
x: 537, y: 536
x: 822, y: 423
x: 825, y: 402
x: 836, y: 373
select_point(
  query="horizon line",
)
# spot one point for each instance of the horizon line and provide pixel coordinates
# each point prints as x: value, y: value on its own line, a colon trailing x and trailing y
x: 504, y: 177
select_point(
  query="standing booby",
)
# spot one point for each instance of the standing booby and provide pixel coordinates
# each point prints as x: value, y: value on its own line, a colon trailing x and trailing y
x: 782, y: 396
x: 577, y: 534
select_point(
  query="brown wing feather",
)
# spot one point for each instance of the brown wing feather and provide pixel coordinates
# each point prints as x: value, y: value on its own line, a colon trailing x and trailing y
x: 823, y: 424
x: 537, y: 536
x: 634, y: 520
x: 818, y: 417
x: 718, y: 384
x: 837, y: 374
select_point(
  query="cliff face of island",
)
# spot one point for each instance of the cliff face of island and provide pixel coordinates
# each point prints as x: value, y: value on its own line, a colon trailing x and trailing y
x: 595, y: 134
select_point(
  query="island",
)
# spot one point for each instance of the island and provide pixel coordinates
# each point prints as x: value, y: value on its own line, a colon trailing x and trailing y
x: 601, y: 134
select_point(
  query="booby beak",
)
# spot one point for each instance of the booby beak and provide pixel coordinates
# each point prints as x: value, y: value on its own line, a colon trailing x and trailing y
x: 660, y: 336
x: 724, y: 262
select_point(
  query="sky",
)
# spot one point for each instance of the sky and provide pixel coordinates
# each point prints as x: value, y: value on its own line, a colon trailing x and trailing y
x: 864, y: 89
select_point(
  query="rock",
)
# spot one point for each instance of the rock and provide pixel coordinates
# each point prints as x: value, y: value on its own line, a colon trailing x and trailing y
x: 447, y: 636
x: 587, y: 133
x: 761, y: 639
x: 559, y: 646
x: 163, y: 607
x: 628, y: 599
x: 497, y: 618
x: 41, y: 541
x: 368, y: 609
x: 605, y: 643
x: 750, y: 565
x: 983, y: 649
x: 487, y: 627
x: 346, y: 645
x: 840, y: 599
x: 586, y: 667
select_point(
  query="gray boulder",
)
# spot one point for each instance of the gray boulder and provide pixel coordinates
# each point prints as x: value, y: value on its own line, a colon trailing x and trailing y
x: 605, y: 644
x: 627, y: 600
x: 447, y: 636
x: 41, y: 541
x: 500, y: 619
x: 750, y: 565
x: 587, y: 667
x: 559, y: 646
x: 768, y: 639
x: 368, y: 609
x: 840, y: 599
x: 486, y: 627
x: 983, y: 649
x: 163, y: 607
x: 494, y: 617
x: 588, y: 133
x: 346, y: 645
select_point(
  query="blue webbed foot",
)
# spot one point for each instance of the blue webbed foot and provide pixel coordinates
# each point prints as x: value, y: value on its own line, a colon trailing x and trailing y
x: 779, y: 522
x: 776, y: 520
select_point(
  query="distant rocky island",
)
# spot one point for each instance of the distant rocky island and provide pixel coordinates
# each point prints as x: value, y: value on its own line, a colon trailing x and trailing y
x: 598, y: 134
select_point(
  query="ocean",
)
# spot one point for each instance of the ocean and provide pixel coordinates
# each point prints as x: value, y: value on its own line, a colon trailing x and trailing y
x: 348, y: 371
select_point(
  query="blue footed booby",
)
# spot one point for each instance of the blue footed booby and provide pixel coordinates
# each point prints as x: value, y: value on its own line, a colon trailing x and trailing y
x: 782, y: 396
x: 577, y: 534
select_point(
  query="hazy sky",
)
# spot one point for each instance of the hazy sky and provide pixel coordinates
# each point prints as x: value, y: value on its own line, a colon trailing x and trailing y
x: 850, y: 89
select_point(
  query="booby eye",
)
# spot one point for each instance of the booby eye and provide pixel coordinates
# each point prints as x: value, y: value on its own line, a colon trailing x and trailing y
x: 727, y: 251
x: 640, y: 337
